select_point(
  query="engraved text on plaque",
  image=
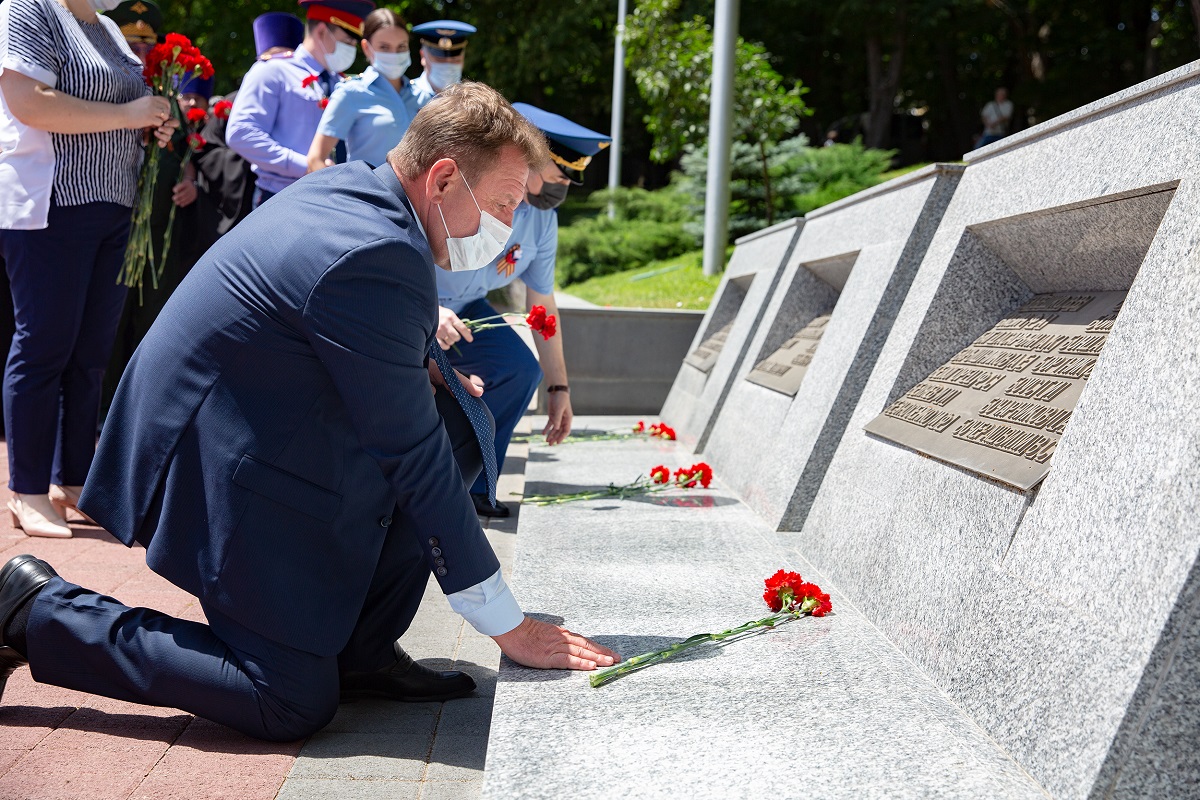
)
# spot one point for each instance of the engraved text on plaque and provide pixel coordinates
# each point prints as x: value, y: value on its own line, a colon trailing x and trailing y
x: 999, y: 406
x: 784, y: 369
x: 704, y: 357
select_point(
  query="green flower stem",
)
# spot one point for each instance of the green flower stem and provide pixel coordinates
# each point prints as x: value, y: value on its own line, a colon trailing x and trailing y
x: 646, y: 659
x: 643, y: 485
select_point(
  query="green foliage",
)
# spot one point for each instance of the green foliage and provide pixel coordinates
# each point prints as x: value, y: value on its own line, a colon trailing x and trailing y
x: 671, y: 61
x: 749, y: 210
x: 678, y: 282
x: 648, y: 226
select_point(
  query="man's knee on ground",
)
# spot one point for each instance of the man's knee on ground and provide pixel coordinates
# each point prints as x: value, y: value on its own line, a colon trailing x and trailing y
x: 287, y: 722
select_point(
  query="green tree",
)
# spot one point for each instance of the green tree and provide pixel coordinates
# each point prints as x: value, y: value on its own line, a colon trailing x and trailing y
x: 671, y: 61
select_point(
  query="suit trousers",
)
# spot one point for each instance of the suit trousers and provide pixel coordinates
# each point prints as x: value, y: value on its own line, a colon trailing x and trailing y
x: 67, y: 304
x: 223, y: 671
x: 510, y: 373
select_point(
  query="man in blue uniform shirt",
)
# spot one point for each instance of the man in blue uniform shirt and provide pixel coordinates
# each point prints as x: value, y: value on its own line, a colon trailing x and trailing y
x: 280, y: 102
x: 276, y: 447
x: 509, y: 371
x: 443, y: 51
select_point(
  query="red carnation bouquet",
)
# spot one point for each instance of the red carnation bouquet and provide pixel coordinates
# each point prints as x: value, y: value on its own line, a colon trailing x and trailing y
x: 659, y: 479
x: 168, y: 67
x: 787, y: 595
x: 536, y: 320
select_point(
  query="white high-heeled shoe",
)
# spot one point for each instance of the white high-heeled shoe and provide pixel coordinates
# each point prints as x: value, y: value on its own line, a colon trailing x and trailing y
x: 35, y: 514
x: 65, y: 498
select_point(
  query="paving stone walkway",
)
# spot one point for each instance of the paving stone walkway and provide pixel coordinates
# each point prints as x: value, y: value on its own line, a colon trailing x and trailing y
x: 57, y: 744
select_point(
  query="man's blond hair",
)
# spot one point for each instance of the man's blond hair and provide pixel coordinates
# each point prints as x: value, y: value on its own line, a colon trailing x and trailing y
x: 471, y: 123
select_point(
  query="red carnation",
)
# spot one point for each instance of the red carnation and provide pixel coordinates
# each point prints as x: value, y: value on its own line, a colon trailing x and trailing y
x: 537, y: 318
x: 665, y: 431
x: 196, y: 115
x: 660, y: 474
x: 640, y: 427
x: 309, y: 81
x: 174, y: 40
x: 550, y: 327
x: 222, y: 108
x: 323, y: 103
x: 703, y: 472
x: 196, y: 141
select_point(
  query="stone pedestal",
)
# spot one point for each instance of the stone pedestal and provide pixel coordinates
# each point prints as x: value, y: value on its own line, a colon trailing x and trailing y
x: 703, y: 381
x: 1063, y: 618
x: 792, y: 396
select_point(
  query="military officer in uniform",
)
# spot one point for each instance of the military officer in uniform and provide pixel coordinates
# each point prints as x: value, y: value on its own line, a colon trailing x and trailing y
x: 509, y: 371
x: 443, y: 51
x: 140, y: 22
x: 281, y: 100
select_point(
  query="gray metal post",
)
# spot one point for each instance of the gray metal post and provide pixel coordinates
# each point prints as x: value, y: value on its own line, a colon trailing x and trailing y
x: 618, y: 105
x: 720, y: 136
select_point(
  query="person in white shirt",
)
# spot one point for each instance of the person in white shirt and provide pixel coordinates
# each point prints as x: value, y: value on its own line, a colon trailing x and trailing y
x: 996, y: 117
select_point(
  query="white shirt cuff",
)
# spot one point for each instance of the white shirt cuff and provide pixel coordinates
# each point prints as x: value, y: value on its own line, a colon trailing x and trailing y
x: 489, y: 606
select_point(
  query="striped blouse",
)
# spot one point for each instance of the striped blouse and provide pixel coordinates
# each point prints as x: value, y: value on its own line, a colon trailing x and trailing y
x: 45, y: 41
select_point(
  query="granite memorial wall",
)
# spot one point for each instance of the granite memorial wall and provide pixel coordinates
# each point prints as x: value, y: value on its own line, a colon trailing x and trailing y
x: 822, y: 331
x: 702, y: 383
x: 1015, y: 501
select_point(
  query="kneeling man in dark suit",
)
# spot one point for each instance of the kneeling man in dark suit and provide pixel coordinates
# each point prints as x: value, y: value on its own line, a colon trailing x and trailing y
x: 291, y: 447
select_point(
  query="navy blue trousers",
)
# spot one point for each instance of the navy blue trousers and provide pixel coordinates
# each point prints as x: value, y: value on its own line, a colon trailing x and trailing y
x: 67, y: 304
x: 510, y: 373
x: 223, y: 671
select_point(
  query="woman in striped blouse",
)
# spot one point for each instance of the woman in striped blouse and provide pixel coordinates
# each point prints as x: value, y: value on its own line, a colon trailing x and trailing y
x: 72, y: 108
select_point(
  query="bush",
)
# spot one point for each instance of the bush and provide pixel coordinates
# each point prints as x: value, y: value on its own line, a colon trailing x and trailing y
x: 648, y: 226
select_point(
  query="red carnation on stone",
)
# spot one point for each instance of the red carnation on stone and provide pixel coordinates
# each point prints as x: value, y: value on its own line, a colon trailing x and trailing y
x: 640, y: 427
x: 665, y: 431
x: 660, y: 474
x: 703, y: 473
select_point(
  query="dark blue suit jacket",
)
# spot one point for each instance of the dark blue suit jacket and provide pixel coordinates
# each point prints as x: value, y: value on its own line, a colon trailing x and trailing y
x: 279, y: 410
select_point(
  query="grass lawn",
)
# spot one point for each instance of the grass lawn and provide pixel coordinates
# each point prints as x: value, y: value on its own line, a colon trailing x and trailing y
x: 674, y: 283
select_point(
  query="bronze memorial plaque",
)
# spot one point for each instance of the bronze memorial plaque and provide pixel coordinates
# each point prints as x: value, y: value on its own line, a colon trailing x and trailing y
x: 784, y: 369
x: 705, y: 356
x: 999, y: 406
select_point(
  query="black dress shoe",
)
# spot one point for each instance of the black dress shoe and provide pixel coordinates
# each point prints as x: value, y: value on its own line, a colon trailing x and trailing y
x: 408, y: 682
x: 485, y: 509
x: 20, y: 579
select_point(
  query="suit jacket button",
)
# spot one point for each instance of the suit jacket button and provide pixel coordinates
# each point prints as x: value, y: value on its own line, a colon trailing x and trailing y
x: 433, y: 542
x: 441, y: 571
x: 441, y: 562
x: 386, y: 522
x: 437, y: 551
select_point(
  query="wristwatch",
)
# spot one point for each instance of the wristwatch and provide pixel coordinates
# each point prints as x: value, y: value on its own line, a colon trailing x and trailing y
x: 559, y: 387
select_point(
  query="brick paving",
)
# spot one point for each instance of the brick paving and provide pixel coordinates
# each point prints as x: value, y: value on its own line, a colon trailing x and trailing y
x: 57, y: 744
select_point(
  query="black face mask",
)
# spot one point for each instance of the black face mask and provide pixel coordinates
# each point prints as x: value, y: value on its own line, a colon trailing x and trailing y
x: 552, y: 196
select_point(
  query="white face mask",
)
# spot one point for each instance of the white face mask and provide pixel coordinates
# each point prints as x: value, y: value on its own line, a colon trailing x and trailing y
x: 104, y: 5
x: 480, y: 249
x: 444, y: 74
x: 391, y: 65
x: 341, y: 58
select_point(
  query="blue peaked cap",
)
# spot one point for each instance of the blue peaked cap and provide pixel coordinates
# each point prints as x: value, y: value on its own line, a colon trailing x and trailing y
x: 445, y: 38
x: 571, y: 145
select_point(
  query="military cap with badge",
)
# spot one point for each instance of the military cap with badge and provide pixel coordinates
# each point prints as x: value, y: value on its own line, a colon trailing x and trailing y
x: 572, y: 146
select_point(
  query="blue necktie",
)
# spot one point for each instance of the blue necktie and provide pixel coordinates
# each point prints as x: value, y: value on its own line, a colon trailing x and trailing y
x: 476, y: 413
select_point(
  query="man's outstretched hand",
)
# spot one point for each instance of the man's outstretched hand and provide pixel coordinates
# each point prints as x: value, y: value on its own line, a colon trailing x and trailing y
x: 544, y: 646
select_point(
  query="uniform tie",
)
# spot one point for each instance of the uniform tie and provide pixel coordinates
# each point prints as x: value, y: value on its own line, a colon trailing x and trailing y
x: 476, y: 413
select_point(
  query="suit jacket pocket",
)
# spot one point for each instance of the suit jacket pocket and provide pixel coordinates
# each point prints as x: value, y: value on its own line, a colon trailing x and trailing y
x: 287, y: 489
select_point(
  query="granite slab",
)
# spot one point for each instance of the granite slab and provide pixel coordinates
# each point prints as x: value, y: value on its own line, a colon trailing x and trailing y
x: 704, y: 378
x: 824, y: 708
x: 854, y: 261
x: 1060, y: 619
